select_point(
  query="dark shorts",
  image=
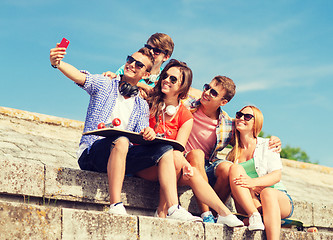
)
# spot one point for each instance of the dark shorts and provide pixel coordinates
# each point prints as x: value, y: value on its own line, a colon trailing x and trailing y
x: 139, y: 157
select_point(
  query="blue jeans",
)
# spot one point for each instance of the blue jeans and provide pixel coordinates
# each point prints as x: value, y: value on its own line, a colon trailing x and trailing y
x: 210, y: 168
x: 139, y: 157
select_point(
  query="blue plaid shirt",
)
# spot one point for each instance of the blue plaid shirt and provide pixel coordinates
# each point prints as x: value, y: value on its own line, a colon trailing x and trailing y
x: 103, y: 94
x: 224, y: 129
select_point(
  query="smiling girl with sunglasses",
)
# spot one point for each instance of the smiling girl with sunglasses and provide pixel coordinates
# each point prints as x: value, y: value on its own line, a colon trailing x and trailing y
x: 255, y: 179
x: 176, y: 124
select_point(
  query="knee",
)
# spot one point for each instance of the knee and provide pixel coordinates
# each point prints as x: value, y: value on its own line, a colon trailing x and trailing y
x: 235, y: 170
x: 223, y: 170
x: 268, y: 194
x: 196, y: 158
x: 121, y: 144
x: 178, y: 159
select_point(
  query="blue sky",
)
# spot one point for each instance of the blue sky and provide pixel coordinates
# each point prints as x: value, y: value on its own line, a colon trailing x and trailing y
x: 279, y: 54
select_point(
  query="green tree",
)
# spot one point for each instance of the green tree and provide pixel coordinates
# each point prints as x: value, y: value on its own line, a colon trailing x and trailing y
x: 294, y: 153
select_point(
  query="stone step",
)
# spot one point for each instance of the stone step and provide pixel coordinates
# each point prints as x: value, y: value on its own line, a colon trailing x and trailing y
x: 27, y: 221
x: 75, y: 188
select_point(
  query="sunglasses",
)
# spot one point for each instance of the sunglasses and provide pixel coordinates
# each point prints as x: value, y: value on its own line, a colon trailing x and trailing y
x: 247, y: 116
x: 138, y: 64
x: 156, y: 51
x: 172, y: 79
x: 212, y: 92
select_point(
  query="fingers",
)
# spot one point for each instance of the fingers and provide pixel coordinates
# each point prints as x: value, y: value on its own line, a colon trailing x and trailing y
x: 57, y: 54
x: 148, y: 134
x: 109, y: 74
x: 187, y: 172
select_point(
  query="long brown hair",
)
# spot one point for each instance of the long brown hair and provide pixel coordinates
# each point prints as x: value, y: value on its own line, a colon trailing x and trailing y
x: 156, y: 96
x: 257, y: 126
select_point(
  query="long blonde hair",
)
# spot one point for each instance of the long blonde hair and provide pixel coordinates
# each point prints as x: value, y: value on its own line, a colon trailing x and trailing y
x: 257, y: 126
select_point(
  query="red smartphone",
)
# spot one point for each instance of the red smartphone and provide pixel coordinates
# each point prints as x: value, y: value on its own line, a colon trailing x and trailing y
x: 64, y: 43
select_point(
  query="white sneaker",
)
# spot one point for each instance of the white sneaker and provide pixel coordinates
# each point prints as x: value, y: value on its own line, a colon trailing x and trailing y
x: 118, y: 208
x: 230, y: 220
x: 255, y: 222
x: 156, y: 214
x: 179, y: 213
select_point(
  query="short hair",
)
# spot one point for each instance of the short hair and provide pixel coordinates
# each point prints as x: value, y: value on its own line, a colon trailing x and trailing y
x: 162, y: 41
x: 228, y: 85
x: 145, y: 51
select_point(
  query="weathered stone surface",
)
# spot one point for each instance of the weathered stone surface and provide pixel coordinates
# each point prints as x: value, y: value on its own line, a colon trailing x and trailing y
x: 23, y: 221
x: 23, y: 178
x: 30, y: 143
x: 79, y: 224
x: 75, y: 185
x: 34, y: 139
x: 323, y: 215
x: 154, y: 228
x: 218, y: 231
x: 303, y: 211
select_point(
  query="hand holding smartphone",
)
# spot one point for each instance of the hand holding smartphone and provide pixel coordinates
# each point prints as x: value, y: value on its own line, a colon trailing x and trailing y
x: 64, y: 43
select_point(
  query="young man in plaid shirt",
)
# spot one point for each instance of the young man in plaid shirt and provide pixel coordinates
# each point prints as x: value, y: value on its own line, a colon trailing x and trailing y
x: 212, y: 131
x: 118, y: 98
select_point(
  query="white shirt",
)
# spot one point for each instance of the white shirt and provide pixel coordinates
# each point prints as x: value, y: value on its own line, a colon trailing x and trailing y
x: 122, y: 110
x: 265, y: 160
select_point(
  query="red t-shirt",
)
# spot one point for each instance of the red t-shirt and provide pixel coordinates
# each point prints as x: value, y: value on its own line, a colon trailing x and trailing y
x: 172, y: 127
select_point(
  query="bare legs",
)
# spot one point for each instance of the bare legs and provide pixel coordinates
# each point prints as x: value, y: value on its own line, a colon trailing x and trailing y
x: 116, y: 168
x: 166, y: 175
x: 205, y: 193
x: 275, y: 204
x: 222, y: 186
x: 197, y: 159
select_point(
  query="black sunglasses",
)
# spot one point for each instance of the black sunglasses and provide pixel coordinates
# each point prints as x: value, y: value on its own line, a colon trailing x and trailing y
x: 138, y: 64
x: 172, y: 79
x: 156, y: 51
x: 212, y: 92
x: 247, y: 116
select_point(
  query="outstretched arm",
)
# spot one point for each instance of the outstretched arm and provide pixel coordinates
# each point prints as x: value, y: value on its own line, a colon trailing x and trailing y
x: 56, y: 56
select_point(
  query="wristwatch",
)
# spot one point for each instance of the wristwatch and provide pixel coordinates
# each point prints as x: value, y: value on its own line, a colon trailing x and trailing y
x: 55, y: 66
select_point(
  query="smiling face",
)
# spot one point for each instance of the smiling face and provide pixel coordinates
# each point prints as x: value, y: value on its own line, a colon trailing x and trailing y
x: 171, y: 83
x: 213, y: 102
x: 132, y: 70
x: 241, y: 124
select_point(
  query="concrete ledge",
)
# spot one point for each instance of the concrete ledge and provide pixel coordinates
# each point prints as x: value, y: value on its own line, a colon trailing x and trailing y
x: 38, y: 117
x: 78, y: 224
x: 22, y: 178
x: 23, y: 221
x: 33, y: 179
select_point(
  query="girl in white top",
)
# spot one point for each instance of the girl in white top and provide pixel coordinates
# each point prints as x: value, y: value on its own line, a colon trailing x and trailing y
x: 255, y: 176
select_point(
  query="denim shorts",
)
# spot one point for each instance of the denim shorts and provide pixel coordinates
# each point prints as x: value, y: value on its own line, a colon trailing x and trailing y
x: 139, y: 157
x: 210, y: 168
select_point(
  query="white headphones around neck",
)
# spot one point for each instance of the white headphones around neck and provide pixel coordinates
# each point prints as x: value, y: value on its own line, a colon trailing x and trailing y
x: 170, y: 109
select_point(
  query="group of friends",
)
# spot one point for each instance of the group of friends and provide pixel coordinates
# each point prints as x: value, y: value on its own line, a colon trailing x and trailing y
x: 156, y: 101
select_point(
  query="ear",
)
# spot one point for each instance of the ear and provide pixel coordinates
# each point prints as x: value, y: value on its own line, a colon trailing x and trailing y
x: 224, y: 102
x: 146, y: 75
x: 166, y: 58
